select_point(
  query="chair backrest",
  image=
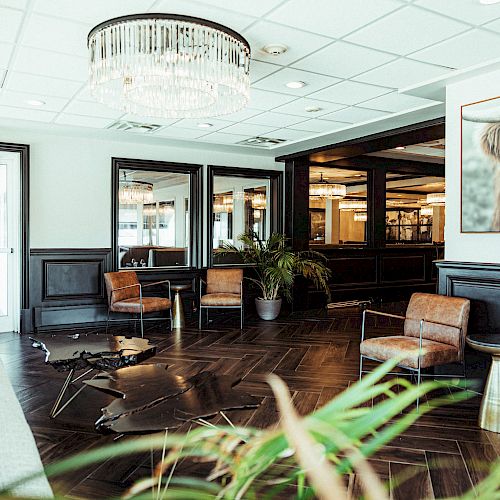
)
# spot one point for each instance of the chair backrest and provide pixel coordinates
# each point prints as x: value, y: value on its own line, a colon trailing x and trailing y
x: 119, y: 279
x: 449, y: 317
x: 224, y: 280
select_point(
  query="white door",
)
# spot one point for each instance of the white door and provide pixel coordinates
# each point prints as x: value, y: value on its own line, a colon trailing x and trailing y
x: 10, y: 230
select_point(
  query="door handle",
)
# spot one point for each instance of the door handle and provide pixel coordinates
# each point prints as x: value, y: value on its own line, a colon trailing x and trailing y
x: 6, y: 250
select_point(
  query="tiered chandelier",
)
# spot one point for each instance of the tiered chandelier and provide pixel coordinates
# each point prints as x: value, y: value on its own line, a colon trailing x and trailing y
x: 323, y: 189
x: 135, y: 193
x: 436, y: 199
x: 353, y: 205
x: 169, y: 66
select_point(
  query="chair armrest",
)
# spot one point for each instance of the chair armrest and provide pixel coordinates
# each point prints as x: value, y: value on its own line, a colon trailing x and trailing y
x: 378, y: 313
x: 202, y: 282
x: 241, y: 291
x: 159, y: 283
x: 125, y: 287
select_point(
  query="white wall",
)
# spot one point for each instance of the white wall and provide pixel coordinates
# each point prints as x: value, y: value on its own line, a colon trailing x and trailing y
x: 71, y: 182
x: 465, y: 247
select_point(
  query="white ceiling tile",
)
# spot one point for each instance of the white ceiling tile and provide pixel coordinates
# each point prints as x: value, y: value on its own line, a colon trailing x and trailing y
x: 5, y: 53
x: 10, y: 22
x: 277, y: 82
x: 469, y: 11
x: 241, y: 115
x: 253, y: 8
x: 14, y: 4
x: 354, y: 115
x: 87, y: 108
x: 194, y: 124
x: 42, y: 62
x: 495, y: 25
x: 49, y: 33
x: 260, y: 70
x: 221, y: 138
x: 469, y: 49
x: 318, y: 126
x: 396, y: 102
x: 18, y: 100
x: 234, y: 20
x: 298, y: 43
x: 83, y: 121
x: 275, y: 119
x: 43, y: 85
x: 343, y: 60
x: 91, y: 11
x: 262, y: 99
x: 26, y: 114
x: 299, y: 107
x: 407, y: 30
x: 333, y: 18
x: 349, y: 92
x: 248, y: 129
x: 291, y: 134
x: 148, y: 119
x: 402, y: 73
x: 180, y: 133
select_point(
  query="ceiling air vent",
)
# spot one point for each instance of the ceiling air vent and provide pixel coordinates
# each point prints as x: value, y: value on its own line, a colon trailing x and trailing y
x: 128, y: 126
x: 261, y: 142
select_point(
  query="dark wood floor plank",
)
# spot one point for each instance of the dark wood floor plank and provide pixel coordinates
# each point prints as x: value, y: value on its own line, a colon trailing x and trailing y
x: 410, y: 481
x: 478, y: 459
x: 449, y: 475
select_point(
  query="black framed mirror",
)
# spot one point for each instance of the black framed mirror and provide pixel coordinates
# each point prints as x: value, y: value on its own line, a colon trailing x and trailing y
x: 241, y: 200
x: 156, y: 221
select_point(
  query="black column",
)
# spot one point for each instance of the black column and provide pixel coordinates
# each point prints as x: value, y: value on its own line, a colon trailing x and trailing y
x: 376, y: 207
x: 297, y: 202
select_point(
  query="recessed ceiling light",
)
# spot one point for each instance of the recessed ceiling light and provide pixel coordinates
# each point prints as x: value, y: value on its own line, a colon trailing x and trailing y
x: 295, y: 85
x: 274, y: 49
x: 205, y: 125
x: 313, y: 109
x: 488, y: 2
x: 400, y: 147
x: 34, y: 102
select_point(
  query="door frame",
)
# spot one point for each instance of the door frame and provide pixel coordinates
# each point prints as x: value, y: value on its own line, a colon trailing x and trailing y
x: 24, y: 181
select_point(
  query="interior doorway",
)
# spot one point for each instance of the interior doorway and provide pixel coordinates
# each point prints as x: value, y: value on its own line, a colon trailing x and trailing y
x: 10, y: 241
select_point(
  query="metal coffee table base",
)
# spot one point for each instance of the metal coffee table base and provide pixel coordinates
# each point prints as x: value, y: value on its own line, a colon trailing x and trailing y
x: 69, y: 381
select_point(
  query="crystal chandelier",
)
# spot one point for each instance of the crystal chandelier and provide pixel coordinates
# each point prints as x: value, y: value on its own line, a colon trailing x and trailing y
x: 436, y: 199
x: 222, y: 204
x: 427, y: 211
x: 322, y: 189
x: 353, y: 205
x: 135, y: 193
x: 360, y: 216
x: 168, y: 66
x: 259, y: 201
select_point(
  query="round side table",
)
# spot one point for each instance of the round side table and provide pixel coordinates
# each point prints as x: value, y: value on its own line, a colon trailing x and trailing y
x: 489, y: 414
x: 178, y: 309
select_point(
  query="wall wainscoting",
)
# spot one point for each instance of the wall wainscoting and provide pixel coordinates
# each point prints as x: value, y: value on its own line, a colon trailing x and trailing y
x: 67, y: 287
x: 481, y: 284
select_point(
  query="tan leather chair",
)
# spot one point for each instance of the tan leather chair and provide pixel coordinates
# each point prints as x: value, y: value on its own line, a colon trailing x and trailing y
x: 125, y: 296
x: 224, y: 290
x: 434, y: 333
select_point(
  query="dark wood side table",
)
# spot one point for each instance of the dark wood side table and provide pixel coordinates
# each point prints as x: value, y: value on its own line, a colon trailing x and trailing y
x: 489, y: 414
x: 178, y: 308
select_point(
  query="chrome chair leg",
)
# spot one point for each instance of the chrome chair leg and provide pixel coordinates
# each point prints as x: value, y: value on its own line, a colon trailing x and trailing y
x: 360, y: 366
x: 242, y: 315
x: 107, y: 322
x: 199, y: 317
x: 171, y: 320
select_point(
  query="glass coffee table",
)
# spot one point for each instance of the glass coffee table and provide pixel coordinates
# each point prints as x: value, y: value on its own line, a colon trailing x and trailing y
x: 489, y: 413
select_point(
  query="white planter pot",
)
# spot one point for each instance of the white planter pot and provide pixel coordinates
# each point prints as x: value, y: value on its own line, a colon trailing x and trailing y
x: 268, y: 309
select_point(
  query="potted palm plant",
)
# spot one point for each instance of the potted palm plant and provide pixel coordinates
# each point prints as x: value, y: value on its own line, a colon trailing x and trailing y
x: 276, y: 267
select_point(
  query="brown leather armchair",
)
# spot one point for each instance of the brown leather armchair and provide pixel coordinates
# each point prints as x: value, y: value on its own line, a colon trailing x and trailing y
x: 434, y: 333
x: 125, y: 296
x: 224, y: 290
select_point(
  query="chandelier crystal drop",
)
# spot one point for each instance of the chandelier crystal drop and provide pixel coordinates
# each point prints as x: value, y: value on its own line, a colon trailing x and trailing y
x: 168, y: 66
x: 135, y: 193
x: 353, y: 205
x: 436, y: 199
x: 323, y: 189
x: 259, y: 201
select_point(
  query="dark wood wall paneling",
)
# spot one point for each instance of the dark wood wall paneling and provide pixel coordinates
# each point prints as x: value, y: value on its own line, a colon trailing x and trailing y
x: 481, y: 284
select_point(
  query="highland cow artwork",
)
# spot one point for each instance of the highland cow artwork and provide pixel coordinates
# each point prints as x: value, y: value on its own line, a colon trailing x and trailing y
x: 481, y: 166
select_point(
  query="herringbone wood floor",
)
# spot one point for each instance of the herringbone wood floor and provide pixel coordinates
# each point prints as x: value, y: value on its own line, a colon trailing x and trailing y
x: 316, y: 353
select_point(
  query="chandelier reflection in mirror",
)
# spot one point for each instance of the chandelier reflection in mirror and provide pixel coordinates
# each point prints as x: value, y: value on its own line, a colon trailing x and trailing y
x: 353, y: 205
x: 135, y: 192
x: 168, y: 66
x: 436, y: 199
x: 323, y: 189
